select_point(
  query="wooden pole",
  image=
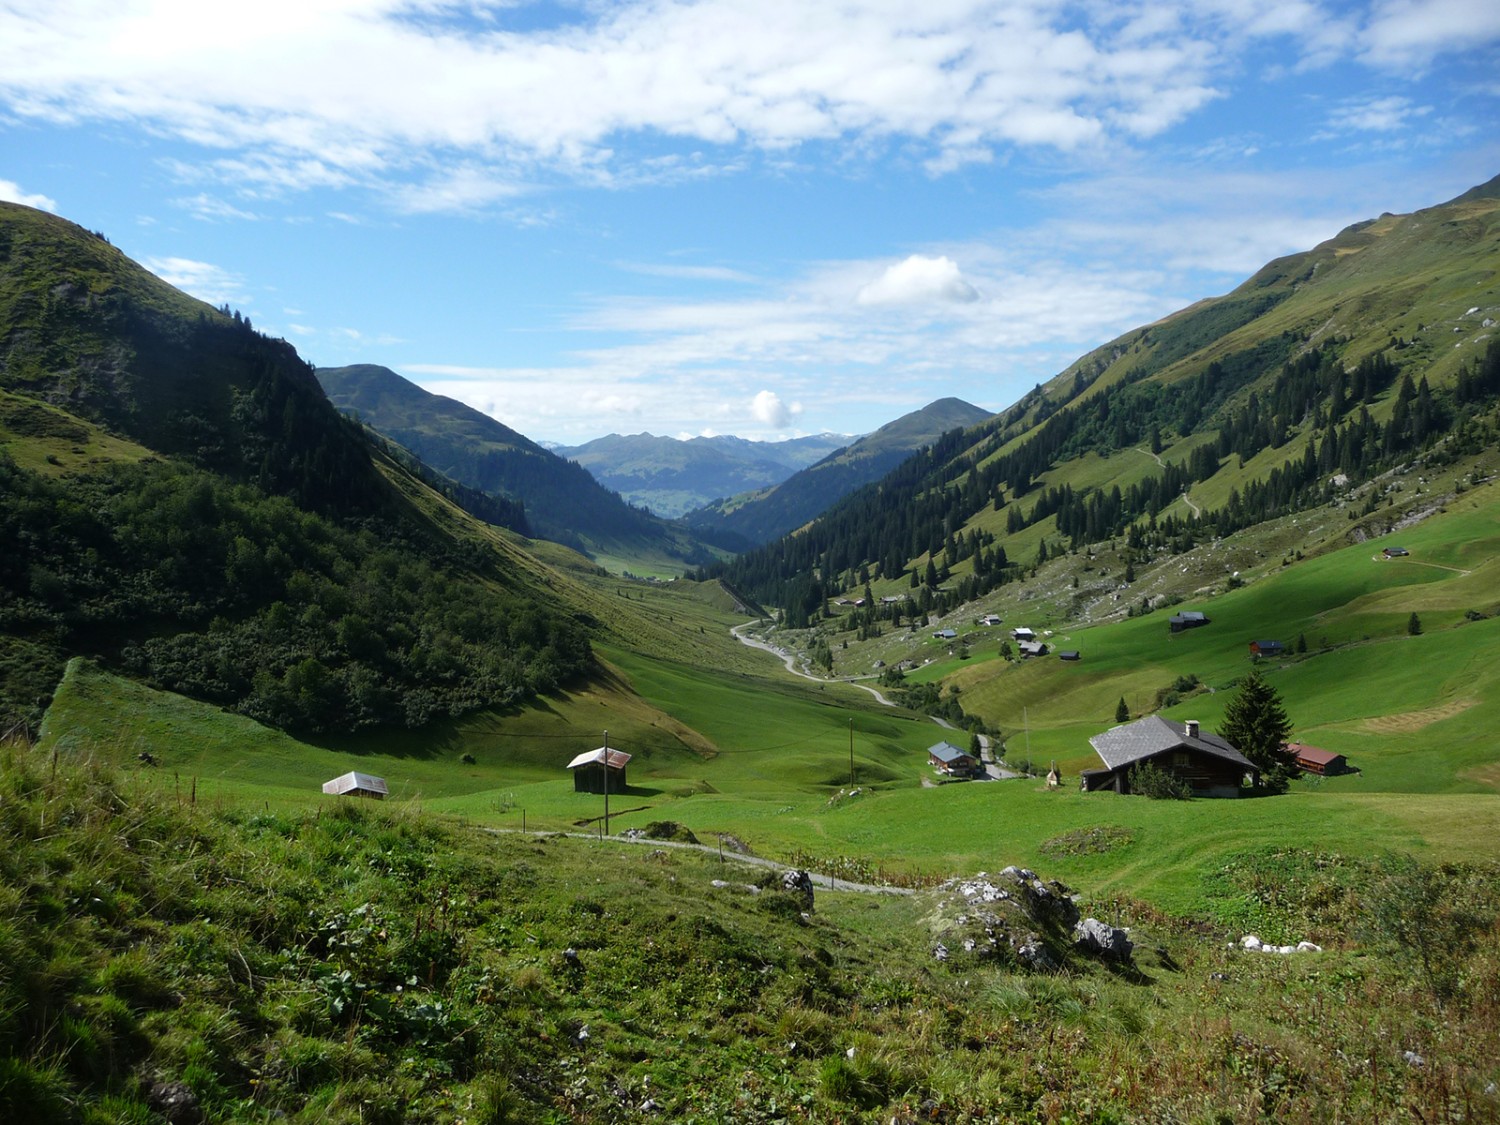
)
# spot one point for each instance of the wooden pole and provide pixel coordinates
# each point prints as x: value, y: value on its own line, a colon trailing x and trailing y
x: 606, y: 783
x: 851, y: 753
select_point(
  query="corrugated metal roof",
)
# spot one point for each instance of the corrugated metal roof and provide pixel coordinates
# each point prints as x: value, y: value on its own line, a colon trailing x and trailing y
x: 352, y: 780
x: 617, y: 758
x: 947, y: 752
x: 1144, y: 738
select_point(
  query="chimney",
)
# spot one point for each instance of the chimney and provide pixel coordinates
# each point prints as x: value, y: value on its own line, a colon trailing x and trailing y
x: 1192, y: 728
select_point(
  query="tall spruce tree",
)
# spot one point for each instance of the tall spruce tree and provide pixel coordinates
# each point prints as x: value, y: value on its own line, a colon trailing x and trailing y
x: 1256, y: 724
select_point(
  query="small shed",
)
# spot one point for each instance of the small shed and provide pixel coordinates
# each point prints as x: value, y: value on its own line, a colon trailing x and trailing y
x: 1315, y: 760
x: 356, y: 784
x: 1022, y: 634
x: 599, y: 771
x: 1395, y: 552
x: 1032, y: 648
x: 1191, y: 619
x: 948, y: 758
x: 1266, y: 648
x: 945, y: 634
x: 990, y: 619
x: 1069, y: 654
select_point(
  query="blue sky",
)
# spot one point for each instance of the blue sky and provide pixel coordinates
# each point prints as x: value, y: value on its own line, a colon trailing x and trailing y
x: 759, y: 218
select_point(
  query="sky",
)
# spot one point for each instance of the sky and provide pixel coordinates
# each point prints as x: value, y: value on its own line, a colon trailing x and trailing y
x: 765, y: 218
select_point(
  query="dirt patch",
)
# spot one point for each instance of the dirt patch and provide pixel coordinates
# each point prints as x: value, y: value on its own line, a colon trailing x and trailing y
x: 1415, y: 720
x: 1484, y: 775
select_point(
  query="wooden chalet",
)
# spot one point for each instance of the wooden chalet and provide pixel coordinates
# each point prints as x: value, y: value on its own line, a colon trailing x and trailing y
x: 1315, y: 760
x: 1266, y: 648
x: 599, y: 771
x: 1206, y: 762
x: 1070, y: 654
x: 948, y: 758
x: 1191, y: 619
x: 356, y: 784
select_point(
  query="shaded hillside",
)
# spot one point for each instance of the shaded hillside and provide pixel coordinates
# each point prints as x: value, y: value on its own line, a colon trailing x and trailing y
x: 762, y: 516
x: 179, y: 498
x: 1321, y: 370
x: 563, y: 502
x: 673, y: 477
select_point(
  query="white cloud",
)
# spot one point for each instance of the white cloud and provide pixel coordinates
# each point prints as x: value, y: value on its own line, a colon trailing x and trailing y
x: 919, y: 280
x: 11, y: 192
x: 768, y: 409
x: 1373, y: 115
x: 203, y: 280
x: 1402, y: 35
x: 469, y: 109
x: 212, y: 209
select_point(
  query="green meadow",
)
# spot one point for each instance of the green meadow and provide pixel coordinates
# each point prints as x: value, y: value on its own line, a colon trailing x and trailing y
x: 727, y: 743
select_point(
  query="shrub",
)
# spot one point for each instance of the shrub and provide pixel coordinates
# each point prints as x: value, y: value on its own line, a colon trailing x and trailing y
x: 1149, y: 780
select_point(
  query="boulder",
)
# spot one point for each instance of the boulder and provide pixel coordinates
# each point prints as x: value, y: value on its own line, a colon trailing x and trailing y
x: 800, y: 884
x: 1102, y: 940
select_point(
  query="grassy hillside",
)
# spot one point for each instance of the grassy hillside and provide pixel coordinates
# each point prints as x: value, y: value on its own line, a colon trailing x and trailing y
x: 359, y: 963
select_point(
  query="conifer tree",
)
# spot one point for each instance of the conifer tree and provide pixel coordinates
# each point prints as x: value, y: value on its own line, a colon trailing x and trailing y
x: 1256, y: 724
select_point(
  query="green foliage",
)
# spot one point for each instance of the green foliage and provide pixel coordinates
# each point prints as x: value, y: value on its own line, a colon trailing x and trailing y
x: 1431, y: 917
x: 1150, y: 780
x: 1256, y: 724
x: 226, y: 594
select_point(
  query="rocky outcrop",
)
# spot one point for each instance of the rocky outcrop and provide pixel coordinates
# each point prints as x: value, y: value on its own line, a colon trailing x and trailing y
x: 1019, y: 919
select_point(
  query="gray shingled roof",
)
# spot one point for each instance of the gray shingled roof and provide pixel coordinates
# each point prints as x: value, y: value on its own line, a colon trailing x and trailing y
x: 1145, y: 738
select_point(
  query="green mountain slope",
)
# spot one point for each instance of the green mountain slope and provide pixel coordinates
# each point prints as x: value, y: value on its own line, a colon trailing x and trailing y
x: 1321, y: 372
x: 761, y: 516
x: 563, y: 501
x: 673, y: 477
x: 179, y: 498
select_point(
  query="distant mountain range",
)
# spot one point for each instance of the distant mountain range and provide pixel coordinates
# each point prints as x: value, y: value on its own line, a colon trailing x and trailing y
x: 563, y: 502
x: 760, y: 516
x: 672, y: 477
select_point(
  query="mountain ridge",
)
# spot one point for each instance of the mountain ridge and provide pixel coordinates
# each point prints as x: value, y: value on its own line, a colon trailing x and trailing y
x: 758, y: 517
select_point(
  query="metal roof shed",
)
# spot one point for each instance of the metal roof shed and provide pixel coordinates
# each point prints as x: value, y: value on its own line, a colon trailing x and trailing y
x: 599, y: 771
x: 356, y: 784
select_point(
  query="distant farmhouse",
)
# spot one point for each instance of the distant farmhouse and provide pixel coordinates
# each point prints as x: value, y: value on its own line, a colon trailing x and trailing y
x: 355, y: 784
x: 949, y: 759
x: 1266, y: 648
x: 1314, y: 760
x: 1206, y: 762
x: 1022, y: 634
x: 1395, y: 552
x: 1032, y: 648
x: 599, y: 771
x: 990, y: 619
x: 1192, y: 619
x: 1069, y: 654
x: 945, y: 634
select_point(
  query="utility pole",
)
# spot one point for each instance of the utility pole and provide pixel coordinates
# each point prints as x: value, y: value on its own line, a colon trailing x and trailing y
x: 851, y: 753
x: 606, y: 783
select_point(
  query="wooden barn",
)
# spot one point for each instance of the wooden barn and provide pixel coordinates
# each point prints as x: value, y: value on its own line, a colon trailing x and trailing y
x: 948, y: 758
x: 1315, y: 760
x: 1190, y: 619
x: 599, y: 771
x: 356, y: 784
x: 1206, y: 762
